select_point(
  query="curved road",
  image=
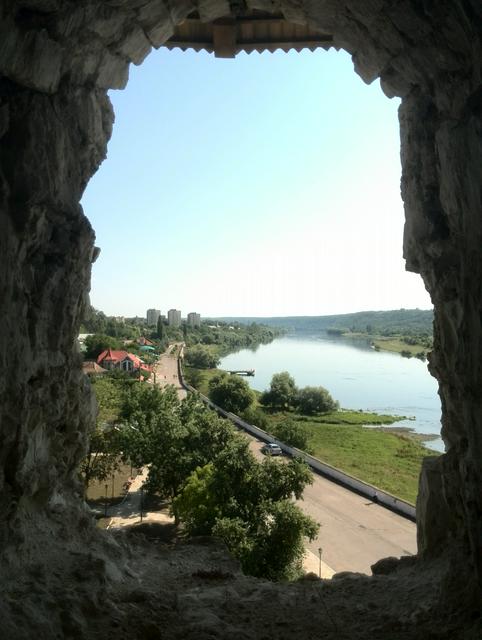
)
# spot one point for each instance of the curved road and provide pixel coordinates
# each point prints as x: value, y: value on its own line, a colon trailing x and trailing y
x: 355, y: 532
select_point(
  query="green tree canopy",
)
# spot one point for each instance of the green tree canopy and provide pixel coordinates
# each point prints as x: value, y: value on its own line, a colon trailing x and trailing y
x: 312, y: 400
x: 103, y: 456
x: 249, y: 505
x: 230, y: 392
x: 160, y: 328
x: 201, y: 357
x: 98, y: 343
x: 291, y: 433
x: 281, y: 393
x: 171, y: 437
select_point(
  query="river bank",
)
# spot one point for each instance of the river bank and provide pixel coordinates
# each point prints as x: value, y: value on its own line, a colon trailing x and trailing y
x: 356, y: 375
x: 357, y: 442
x: 406, y: 346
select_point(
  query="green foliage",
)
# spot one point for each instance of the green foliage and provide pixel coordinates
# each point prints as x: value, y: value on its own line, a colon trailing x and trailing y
x: 249, y: 505
x: 196, y: 505
x: 98, y: 343
x: 205, y: 467
x: 282, y: 392
x: 255, y: 415
x: 313, y: 400
x: 160, y: 328
x: 345, y: 416
x: 408, y: 322
x: 95, y: 321
x: 193, y: 376
x: 228, y: 337
x: 230, y: 392
x: 283, y: 395
x: 385, y: 459
x: 108, y: 392
x: 103, y: 457
x: 291, y: 433
x: 276, y: 551
x: 106, y: 444
x: 201, y: 357
x: 173, y: 438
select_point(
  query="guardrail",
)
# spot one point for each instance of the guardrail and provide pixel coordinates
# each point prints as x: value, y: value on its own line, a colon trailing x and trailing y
x: 375, y: 494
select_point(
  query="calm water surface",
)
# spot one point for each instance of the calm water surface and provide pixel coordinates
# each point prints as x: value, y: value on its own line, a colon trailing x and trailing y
x: 356, y: 375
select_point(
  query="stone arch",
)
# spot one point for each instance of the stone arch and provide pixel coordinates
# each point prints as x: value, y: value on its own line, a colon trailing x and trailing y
x: 57, y: 61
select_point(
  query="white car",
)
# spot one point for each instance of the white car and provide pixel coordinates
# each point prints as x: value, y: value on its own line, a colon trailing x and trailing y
x: 271, y: 449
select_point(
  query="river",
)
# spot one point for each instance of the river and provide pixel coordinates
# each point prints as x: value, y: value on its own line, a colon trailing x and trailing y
x: 355, y: 374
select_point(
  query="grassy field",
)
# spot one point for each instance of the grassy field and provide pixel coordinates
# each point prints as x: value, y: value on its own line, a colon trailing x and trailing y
x: 395, y: 344
x: 399, y: 346
x: 390, y: 461
x: 348, y: 416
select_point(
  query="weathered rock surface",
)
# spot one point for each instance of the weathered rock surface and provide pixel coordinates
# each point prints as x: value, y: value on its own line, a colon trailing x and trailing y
x: 57, y: 60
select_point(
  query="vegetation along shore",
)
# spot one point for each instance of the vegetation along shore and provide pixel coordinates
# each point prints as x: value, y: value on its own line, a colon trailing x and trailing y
x: 387, y: 457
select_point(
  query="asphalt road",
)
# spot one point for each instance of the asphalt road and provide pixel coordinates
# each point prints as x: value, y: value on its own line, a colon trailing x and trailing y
x: 354, y: 532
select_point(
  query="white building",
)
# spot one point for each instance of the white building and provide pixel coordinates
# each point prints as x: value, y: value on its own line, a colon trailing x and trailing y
x: 152, y: 316
x: 194, y: 319
x: 174, y: 318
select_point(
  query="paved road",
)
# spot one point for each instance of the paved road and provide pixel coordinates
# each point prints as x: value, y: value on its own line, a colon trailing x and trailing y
x: 354, y: 532
x: 166, y: 371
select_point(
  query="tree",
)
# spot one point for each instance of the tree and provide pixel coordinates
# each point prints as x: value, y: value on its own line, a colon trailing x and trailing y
x: 160, y: 328
x: 292, y: 434
x: 103, y: 456
x: 312, y: 400
x: 194, y: 377
x: 256, y: 416
x: 282, y: 391
x: 171, y: 437
x: 215, y: 484
x: 230, y: 392
x: 98, y: 343
x: 201, y: 358
x: 249, y: 505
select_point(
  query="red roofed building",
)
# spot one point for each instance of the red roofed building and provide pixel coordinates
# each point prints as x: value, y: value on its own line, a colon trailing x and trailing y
x: 113, y: 359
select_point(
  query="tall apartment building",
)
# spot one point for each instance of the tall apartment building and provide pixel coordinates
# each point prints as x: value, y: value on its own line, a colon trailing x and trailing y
x: 194, y: 319
x: 174, y: 318
x: 152, y: 315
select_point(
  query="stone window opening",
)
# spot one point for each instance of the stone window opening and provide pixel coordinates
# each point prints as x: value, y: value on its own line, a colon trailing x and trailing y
x: 57, y: 62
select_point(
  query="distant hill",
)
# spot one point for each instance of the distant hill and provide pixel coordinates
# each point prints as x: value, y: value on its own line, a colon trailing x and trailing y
x: 400, y: 321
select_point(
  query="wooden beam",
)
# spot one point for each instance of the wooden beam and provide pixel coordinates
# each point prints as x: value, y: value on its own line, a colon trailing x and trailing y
x: 224, y: 39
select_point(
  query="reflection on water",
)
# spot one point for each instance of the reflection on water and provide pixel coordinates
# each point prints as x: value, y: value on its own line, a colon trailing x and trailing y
x: 356, y: 375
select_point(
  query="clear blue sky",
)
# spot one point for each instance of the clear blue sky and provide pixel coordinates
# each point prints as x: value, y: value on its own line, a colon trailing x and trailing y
x: 267, y: 185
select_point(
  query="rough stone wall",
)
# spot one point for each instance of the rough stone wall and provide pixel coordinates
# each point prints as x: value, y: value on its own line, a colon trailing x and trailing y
x: 58, y: 58
x: 50, y: 146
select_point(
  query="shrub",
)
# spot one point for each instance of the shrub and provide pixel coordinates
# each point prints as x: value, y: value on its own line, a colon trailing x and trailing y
x: 230, y: 392
x: 292, y: 434
x: 201, y: 358
x: 312, y: 400
x: 281, y: 393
